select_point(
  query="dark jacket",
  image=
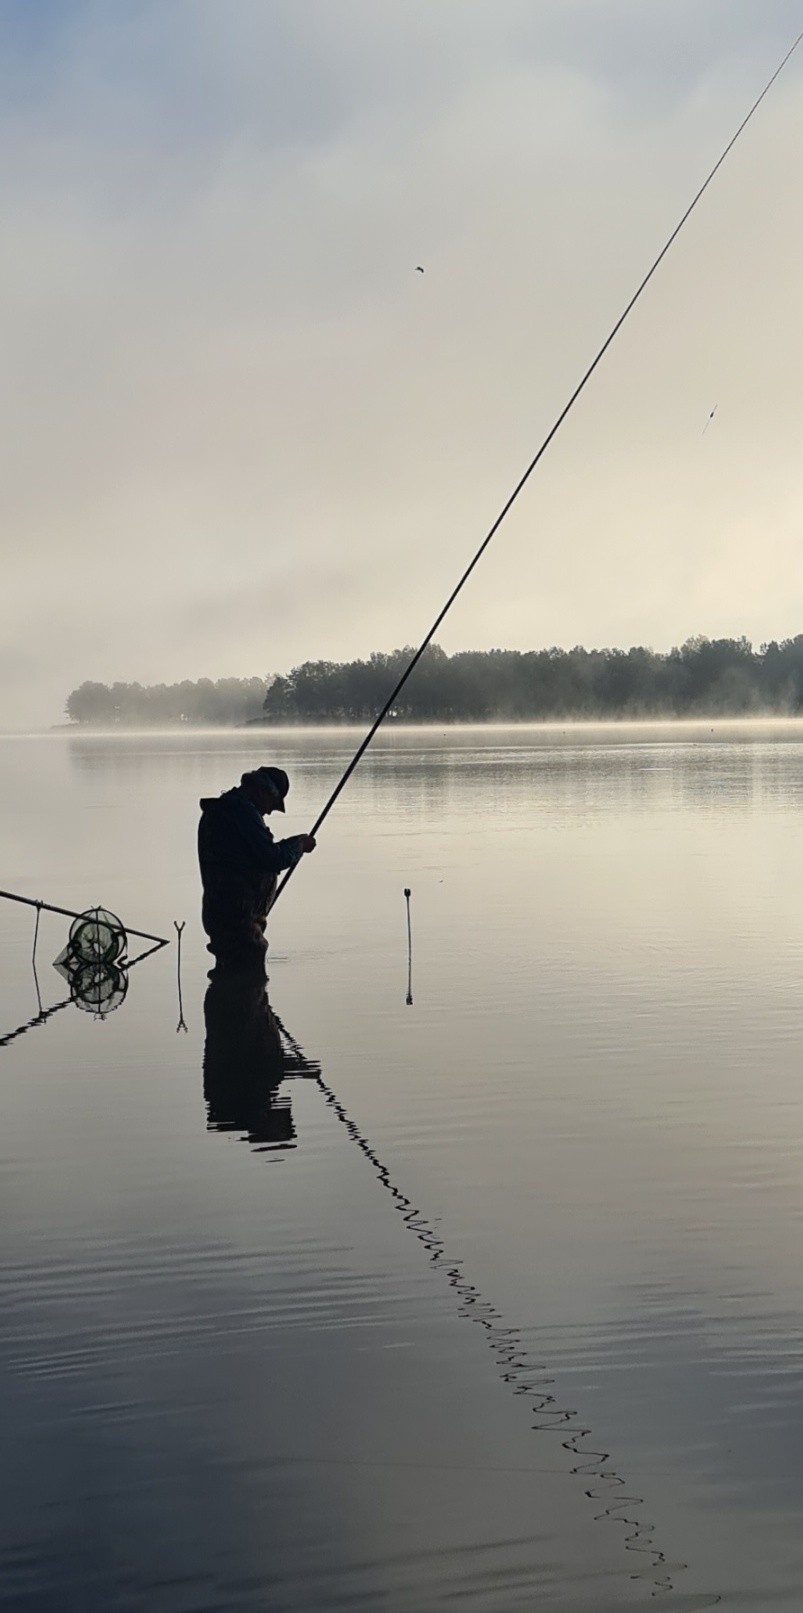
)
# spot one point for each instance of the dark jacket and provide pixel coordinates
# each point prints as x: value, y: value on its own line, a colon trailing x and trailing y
x: 232, y: 834
x: 239, y: 861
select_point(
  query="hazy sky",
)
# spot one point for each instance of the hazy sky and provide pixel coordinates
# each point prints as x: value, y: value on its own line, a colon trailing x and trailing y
x: 240, y: 431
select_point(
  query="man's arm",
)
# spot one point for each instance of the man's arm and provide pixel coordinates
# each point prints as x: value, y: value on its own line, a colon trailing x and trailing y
x: 271, y: 855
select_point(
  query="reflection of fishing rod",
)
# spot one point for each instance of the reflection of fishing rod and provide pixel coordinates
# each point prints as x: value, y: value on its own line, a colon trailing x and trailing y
x: 392, y: 697
x: 510, y: 1356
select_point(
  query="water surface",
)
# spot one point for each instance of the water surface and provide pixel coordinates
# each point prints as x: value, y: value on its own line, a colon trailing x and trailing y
x: 497, y: 1300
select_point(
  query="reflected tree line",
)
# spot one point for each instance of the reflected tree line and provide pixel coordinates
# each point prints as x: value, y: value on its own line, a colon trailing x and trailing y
x: 716, y: 677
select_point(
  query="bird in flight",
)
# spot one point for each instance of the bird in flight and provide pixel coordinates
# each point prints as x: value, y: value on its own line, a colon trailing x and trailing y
x: 418, y: 269
x: 710, y: 418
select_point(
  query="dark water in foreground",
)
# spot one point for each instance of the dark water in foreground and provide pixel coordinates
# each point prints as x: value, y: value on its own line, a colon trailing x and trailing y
x: 497, y: 1303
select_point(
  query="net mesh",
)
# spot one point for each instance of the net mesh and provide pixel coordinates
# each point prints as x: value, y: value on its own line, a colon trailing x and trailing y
x: 98, y: 988
x: 96, y: 937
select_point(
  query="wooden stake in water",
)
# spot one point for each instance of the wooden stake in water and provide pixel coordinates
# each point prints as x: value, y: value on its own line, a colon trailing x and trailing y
x: 181, y: 1026
x: 33, y: 955
x: 409, y: 997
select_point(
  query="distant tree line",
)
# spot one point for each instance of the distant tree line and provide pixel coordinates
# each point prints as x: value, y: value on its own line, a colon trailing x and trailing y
x: 228, y: 701
x: 704, y: 677
x: 716, y: 677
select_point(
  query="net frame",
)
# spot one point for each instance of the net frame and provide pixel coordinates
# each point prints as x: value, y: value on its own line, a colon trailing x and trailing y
x: 97, y: 936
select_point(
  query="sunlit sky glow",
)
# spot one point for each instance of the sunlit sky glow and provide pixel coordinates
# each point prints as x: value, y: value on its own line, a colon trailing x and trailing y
x: 240, y: 431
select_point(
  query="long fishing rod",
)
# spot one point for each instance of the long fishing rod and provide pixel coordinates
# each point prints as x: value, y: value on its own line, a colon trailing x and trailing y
x: 393, y: 696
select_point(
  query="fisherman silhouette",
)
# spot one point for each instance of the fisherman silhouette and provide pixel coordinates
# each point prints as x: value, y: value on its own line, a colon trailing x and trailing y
x: 244, y: 1062
x: 239, y: 860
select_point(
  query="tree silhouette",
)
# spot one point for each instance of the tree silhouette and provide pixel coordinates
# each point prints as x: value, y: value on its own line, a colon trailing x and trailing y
x: 703, y: 677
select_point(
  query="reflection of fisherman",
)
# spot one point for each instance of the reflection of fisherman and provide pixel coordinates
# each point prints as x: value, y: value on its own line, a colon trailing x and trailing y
x: 240, y: 860
x: 243, y: 1059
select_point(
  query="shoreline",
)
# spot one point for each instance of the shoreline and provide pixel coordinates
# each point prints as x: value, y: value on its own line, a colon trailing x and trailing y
x: 553, y: 725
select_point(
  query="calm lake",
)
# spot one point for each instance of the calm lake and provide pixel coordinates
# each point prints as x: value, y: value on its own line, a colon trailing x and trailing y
x: 496, y: 1302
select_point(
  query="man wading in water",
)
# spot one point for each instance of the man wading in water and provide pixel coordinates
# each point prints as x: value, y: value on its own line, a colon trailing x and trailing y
x: 240, y: 860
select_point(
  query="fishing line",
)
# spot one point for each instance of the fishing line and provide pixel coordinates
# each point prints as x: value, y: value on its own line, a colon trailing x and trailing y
x: 392, y: 697
x: 523, y: 1376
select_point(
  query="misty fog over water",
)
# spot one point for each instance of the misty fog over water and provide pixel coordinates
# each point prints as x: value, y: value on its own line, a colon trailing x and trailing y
x: 495, y: 1296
